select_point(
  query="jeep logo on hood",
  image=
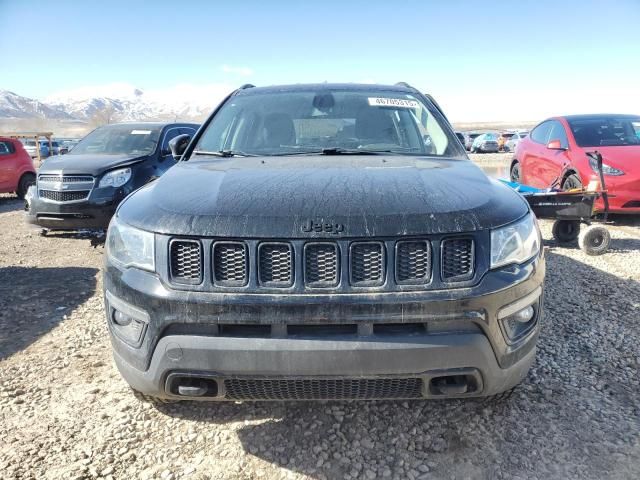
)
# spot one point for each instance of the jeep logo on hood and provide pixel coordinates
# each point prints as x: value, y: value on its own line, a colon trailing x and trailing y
x: 310, y: 226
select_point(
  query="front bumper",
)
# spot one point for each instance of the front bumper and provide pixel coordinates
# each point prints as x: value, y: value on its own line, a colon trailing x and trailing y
x: 184, y: 337
x: 95, y: 212
x: 624, y: 194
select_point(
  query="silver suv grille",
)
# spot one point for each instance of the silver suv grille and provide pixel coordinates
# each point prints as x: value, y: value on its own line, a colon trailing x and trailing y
x: 65, y: 188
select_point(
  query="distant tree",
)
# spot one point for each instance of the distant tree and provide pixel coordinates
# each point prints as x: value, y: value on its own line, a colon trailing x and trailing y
x: 104, y: 116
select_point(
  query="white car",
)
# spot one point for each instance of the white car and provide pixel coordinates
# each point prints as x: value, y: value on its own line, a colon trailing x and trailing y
x: 512, y: 143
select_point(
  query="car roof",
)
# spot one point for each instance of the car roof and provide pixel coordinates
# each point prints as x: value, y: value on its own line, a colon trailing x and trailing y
x: 399, y: 88
x: 595, y: 116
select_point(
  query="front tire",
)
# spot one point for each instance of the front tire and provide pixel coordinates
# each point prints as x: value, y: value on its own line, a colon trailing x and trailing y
x: 514, y: 173
x: 26, y: 180
x: 572, y: 182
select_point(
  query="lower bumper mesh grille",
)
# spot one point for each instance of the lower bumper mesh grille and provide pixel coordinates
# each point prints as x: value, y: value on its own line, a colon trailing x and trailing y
x: 322, y: 389
x: 57, y: 196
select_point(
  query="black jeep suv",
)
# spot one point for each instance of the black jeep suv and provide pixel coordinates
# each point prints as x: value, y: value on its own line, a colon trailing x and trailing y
x: 323, y: 242
x: 83, y: 188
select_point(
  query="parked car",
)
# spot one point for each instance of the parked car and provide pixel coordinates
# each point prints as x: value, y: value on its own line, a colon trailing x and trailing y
x: 462, y: 137
x: 31, y: 147
x: 323, y: 241
x: 83, y: 188
x: 470, y: 138
x: 485, y: 143
x: 503, y: 138
x: 554, y: 154
x: 17, y: 172
x: 512, y: 143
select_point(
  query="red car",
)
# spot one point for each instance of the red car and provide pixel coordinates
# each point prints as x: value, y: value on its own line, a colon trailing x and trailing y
x: 17, y: 172
x: 554, y: 155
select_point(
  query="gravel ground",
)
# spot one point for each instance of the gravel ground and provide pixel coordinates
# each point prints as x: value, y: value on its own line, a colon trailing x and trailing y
x: 66, y: 413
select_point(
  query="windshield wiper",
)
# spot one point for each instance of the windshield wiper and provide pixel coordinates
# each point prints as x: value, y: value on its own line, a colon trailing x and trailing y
x: 224, y: 153
x: 352, y: 151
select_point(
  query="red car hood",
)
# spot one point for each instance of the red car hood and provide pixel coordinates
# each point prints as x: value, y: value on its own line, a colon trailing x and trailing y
x: 625, y: 158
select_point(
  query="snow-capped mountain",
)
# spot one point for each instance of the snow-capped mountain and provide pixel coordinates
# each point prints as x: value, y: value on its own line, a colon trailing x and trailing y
x: 13, y: 105
x: 120, y: 102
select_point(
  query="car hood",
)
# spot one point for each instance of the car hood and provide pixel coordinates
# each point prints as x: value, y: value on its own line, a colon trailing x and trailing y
x: 361, y: 196
x: 88, y: 164
x: 625, y: 158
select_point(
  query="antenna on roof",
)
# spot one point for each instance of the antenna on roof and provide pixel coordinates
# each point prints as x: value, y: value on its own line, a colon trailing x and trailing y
x: 247, y: 85
x: 403, y: 84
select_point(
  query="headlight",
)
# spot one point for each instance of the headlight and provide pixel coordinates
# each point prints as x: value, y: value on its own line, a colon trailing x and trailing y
x: 130, y: 247
x: 606, y: 169
x: 115, y: 178
x: 515, y: 243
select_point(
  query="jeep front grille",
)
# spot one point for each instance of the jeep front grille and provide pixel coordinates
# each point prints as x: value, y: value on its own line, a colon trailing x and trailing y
x: 413, y: 262
x: 230, y: 263
x: 64, y: 196
x: 275, y: 264
x: 457, y: 259
x: 367, y: 264
x: 322, y: 388
x: 186, y: 261
x: 321, y: 265
x: 335, y: 265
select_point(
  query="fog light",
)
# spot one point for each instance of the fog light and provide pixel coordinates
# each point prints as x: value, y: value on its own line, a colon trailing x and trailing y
x: 127, y: 322
x: 126, y: 327
x: 121, y: 319
x: 519, y: 323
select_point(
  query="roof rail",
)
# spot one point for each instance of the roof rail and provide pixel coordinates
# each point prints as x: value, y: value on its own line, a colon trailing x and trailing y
x: 246, y: 85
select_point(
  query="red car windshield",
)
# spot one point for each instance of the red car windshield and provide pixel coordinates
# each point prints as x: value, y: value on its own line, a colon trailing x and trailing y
x: 606, y: 131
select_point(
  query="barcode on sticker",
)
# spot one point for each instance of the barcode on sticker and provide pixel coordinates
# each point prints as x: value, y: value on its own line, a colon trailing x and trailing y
x: 393, y: 102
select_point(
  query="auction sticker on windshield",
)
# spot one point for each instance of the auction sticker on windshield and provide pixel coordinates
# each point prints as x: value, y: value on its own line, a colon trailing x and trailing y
x: 140, y: 132
x: 393, y: 102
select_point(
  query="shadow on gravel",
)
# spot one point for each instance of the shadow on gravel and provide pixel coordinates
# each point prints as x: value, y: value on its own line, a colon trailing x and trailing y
x: 97, y: 237
x: 10, y: 204
x: 35, y: 300
x: 576, y: 415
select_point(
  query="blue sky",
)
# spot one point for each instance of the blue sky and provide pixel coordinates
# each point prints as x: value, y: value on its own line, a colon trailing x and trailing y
x: 486, y: 60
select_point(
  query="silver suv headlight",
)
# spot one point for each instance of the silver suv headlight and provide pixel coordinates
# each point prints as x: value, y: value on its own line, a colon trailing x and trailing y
x: 130, y: 247
x: 516, y: 242
x: 115, y: 178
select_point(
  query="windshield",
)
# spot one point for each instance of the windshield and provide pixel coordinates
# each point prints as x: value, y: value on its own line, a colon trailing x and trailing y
x: 606, y: 131
x: 119, y: 139
x: 342, y: 121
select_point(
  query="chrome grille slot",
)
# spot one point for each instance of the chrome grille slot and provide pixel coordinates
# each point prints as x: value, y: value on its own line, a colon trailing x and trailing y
x: 457, y: 259
x: 321, y: 267
x: 64, y: 196
x: 186, y: 261
x: 367, y: 264
x: 322, y: 388
x: 230, y: 263
x: 413, y: 262
x: 65, y: 178
x: 275, y: 264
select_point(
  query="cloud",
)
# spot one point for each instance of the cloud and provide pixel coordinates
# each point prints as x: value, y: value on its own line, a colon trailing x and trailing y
x: 235, y: 70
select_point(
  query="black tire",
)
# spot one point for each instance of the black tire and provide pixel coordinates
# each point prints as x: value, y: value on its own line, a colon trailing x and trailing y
x: 594, y: 240
x: 26, y: 180
x: 514, y: 173
x: 572, y: 182
x: 565, y: 231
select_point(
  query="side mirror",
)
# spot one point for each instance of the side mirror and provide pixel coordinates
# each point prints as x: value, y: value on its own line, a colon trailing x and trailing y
x: 178, y: 145
x: 555, y: 145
